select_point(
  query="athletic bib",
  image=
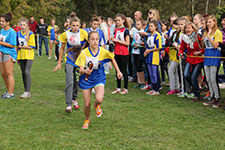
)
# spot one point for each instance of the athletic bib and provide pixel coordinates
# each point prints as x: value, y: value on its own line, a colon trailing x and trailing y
x: 137, y: 38
x: 22, y: 41
x: 208, y: 44
x: 120, y: 35
x: 94, y: 60
x: 3, y: 37
x: 150, y: 41
x: 73, y: 38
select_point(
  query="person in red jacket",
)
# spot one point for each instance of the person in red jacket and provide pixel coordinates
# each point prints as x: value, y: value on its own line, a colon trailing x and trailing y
x: 192, y: 42
x: 33, y: 27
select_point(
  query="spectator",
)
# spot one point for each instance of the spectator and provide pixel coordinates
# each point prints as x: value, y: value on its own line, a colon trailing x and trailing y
x: 42, y: 34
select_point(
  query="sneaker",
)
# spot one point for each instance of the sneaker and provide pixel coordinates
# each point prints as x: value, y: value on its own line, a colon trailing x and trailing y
x: 142, y: 86
x: 75, y: 104
x: 98, y: 110
x: 207, y: 95
x: 150, y: 92
x: 210, y: 103
x: 4, y: 95
x: 216, y: 104
x: 155, y: 93
x: 177, y: 91
x: 146, y: 87
x: 137, y: 85
x: 125, y: 91
x: 181, y: 95
x: 191, y: 95
x: 49, y: 57
x: 171, y: 92
x: 25, y: 95
x: 116, y: 91
x: 93, y: 90
x: 8, y: 95
x: 68, y: 109
x: 86, y: 124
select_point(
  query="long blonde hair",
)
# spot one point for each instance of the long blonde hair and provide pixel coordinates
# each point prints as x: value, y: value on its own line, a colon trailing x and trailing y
x: 215, y: 27
x: 27, y: 30
x: 155, y: 15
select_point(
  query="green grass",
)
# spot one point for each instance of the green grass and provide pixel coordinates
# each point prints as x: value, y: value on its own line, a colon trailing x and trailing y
x: 133, y: 121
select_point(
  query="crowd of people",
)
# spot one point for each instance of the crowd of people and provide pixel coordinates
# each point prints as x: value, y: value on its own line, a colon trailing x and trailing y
x: 189, y: 51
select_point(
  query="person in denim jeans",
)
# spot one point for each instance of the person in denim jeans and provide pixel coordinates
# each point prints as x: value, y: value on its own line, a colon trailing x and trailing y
x: 42, y: 32
x: 192, y: 43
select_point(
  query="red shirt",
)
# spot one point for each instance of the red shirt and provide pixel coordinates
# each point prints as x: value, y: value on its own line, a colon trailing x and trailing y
x: 190, y: 52
x: 33, y: 26
x: 121, y: 34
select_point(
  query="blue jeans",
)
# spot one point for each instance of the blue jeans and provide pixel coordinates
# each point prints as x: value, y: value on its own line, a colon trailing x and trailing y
x: 155, y: 77
x: 41, y: 38
x: 191, y: 73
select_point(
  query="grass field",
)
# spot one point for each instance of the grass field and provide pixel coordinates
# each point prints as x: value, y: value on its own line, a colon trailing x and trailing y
x: 132, y: 122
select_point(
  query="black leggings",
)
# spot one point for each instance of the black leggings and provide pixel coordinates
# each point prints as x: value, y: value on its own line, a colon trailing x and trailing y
x: 122, y: 61
x: 164, y: 69
x: 25, y: 66
x: 138, y: 62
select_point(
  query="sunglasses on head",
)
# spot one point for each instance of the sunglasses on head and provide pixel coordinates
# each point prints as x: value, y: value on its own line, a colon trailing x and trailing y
x: 150, y: 13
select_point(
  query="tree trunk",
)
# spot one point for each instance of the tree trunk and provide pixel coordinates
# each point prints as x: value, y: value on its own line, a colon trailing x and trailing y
x: 207, y: 6
x: 219, y: 3
x: 193, y: 8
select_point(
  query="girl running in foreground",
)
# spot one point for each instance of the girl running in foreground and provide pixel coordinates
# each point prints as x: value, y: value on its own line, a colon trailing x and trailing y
x: 98, y: 56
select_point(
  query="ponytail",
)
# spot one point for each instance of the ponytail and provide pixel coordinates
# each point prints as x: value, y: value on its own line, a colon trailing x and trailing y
x: 8, y: 17
x: 76, y: 49
x: 86, y: 44
x: 126, y: 22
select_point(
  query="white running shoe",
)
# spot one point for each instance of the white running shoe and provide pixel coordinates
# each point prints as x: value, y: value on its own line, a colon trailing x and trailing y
x: 68, y: 109
x: 25, y: 95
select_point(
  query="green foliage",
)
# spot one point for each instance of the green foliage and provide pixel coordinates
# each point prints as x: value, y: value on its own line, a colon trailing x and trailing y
x: 221, y: 10
x: 60, y: 10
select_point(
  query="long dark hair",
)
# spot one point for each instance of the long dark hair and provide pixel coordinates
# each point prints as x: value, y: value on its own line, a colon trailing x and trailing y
x: 75, y: 51
x: 123, y: 17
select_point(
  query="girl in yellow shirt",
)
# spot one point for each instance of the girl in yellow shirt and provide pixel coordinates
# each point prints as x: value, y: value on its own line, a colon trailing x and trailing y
x: 26, y: 45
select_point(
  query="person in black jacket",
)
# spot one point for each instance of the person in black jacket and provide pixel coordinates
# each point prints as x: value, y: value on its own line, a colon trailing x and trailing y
x: 42, y: 33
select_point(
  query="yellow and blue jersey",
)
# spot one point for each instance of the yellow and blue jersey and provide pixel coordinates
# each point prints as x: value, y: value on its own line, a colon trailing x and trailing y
x: 211, y: 51
x: 98, y: 74
x: 100, y: 33
x: 21, y: 41
x: 72, y: 39
x: 153, y: 41
x: 51, y: 30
